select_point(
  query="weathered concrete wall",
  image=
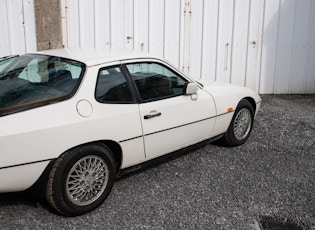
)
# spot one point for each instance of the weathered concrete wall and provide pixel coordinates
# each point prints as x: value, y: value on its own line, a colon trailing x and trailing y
x: 48, y: 24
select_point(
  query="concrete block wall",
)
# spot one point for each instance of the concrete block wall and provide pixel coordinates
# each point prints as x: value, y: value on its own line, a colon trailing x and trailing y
x: 48, y: 24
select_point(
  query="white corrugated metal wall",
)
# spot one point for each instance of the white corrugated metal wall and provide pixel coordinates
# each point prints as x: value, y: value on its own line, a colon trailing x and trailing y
x: 141, y: 25
x: 17, y: 27
x: 267, y: 45
x: 288, y: 53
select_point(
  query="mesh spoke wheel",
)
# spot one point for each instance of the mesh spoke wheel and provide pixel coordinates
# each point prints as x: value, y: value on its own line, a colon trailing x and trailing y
x: 242, y: 124
x: 81, y: 179
x: 87, y: 180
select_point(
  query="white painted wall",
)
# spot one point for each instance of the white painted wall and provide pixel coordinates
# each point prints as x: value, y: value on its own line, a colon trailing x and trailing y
x: 17, y: 27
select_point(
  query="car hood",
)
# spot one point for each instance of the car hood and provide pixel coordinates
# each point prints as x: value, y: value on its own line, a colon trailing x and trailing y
x: 215, y: 83
x: 225, y: 89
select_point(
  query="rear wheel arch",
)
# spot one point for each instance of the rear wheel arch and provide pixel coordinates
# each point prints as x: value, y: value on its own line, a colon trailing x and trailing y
x: 116, y: 150
x: 112, y: 145
x: 81, y: 178
x: 39, y: 187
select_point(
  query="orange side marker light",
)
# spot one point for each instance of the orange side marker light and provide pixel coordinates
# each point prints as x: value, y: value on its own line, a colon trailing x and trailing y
x: 230, y: 109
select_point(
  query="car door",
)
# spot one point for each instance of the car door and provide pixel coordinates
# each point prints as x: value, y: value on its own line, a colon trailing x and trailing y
x: 170, y: 119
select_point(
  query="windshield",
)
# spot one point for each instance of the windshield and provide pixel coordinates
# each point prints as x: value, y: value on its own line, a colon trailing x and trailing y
x: 32, y: 80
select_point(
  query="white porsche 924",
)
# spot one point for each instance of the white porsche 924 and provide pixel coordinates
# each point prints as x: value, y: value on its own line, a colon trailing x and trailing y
x: 78, y: 118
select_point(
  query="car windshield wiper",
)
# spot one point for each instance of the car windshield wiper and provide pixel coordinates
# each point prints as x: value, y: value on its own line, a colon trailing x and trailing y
x: 8, y: 57
x: 5, y: 61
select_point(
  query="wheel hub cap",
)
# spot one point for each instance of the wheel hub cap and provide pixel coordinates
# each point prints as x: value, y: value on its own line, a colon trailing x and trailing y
x: 87, y: 180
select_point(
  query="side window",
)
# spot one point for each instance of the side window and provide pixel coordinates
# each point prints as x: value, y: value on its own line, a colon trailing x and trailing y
x: 155, y: 81
x: 112, y: 87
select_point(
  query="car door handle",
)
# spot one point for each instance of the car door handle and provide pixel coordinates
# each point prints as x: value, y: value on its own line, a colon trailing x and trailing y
x: 152, y: 114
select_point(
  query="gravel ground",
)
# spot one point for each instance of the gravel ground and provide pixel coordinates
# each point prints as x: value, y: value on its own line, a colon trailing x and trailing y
x: 213, y: 187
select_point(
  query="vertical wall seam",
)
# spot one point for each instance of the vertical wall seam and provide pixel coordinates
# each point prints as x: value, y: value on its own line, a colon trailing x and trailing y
x: 232, y: 42
x: 217, y: 42
x: 149, y: 26
x: 94, y: 24
x: 79, y: 26
x: 275, y: 70
x: 133, y: 25
x: 9, y: 27
x: 247, y: 40
x: 164, y: 32
x: 24, y: 26
x: 110, y: 22
x: 179, y: 33
x: 262, y: 45
x: 66, y: 22
x: 202, y: 38
x: 124, y: 23
x: 308, y: 50
x: 292, y: 48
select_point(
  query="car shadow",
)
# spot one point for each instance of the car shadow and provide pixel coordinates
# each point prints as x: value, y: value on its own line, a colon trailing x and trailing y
x: 33, y: 197
x: 22, y: 198
x: 137, y: 169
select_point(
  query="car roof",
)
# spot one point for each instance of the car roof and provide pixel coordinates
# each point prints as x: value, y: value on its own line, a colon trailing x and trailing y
x: 96, y: 56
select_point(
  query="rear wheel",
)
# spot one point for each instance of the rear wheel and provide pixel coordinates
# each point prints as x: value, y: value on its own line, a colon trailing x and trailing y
x: 241, y: 125
x: 81, y: 179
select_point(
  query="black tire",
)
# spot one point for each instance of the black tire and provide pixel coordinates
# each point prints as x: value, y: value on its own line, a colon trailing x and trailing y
x: 81, y: 179
x: 240, y: 126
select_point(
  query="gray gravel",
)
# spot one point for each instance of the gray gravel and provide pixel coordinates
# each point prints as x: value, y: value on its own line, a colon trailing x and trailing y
x: 213, y: 187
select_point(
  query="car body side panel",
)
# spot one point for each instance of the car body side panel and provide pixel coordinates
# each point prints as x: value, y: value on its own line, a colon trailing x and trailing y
x: 133, y: 152
x: 59, y: 127
x: 222, y: 124
x: 28, y: 142
x: 173, y: 139
x: 19, y: 178
x: 228, y: 96
x: 182, y: 121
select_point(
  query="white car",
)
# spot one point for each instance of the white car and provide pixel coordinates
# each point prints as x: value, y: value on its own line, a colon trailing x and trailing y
x: 77, y: 119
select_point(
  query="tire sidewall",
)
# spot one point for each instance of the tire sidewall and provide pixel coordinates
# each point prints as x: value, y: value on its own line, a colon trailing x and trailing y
x: 63, y: 203
x: 243, y: 104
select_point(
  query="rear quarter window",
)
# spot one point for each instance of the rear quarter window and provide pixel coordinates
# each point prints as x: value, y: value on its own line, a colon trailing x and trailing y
x: 112, y: 87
